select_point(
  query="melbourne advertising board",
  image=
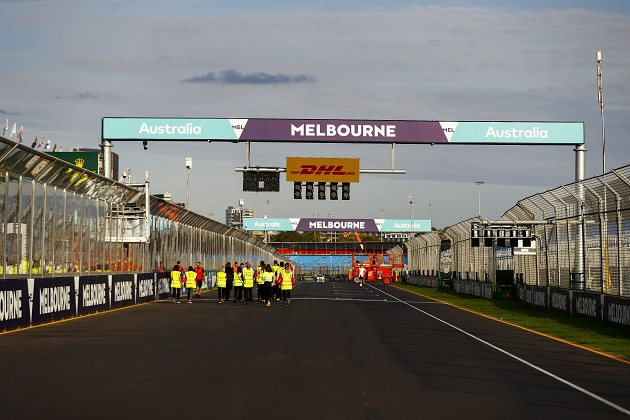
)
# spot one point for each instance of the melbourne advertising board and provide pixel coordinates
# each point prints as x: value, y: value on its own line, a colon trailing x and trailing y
x: 335, y: 225
x: 343, y: 131
x: 35, y: 301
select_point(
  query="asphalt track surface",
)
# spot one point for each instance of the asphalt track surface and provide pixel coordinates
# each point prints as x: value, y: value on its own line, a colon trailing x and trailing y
x: 338, y: 351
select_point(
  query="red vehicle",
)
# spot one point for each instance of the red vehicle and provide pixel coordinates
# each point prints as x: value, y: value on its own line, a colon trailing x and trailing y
x: 378, y: 267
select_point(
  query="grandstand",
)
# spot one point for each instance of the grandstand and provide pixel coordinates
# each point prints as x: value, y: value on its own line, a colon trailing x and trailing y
x: 328, y: 265
x: 336, y: 266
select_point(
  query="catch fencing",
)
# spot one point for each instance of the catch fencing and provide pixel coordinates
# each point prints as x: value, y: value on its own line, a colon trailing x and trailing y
x: 60, y: 219
x: 580, y: 240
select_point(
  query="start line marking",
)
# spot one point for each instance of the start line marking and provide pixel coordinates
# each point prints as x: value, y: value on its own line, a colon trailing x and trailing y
x: 525, y: 362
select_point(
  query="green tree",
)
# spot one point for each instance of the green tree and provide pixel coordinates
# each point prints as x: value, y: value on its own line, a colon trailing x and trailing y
x: 287, y: 237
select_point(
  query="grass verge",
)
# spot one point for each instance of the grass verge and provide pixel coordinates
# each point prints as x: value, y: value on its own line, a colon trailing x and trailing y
x: 587, y: 332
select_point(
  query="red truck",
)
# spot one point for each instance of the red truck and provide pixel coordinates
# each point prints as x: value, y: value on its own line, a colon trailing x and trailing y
x: 378, y: 267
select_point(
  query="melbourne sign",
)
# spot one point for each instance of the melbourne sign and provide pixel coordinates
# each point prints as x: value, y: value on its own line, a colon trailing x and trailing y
x: 335, y: 225
x: 343, y: 131
x: 303, y: 169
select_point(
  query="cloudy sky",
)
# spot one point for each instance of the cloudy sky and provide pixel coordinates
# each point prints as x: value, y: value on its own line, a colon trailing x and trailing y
x: 66, y: 64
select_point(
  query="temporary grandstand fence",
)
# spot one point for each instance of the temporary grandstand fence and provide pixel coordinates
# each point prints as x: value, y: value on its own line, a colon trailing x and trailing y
x: 581, y: 233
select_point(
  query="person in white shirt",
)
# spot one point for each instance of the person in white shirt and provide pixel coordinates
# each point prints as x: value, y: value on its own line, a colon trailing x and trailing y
x: 361, y: 276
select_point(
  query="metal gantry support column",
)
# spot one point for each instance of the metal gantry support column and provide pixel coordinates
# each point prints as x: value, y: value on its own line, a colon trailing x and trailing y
x: 580, y: 164
x: 106, y: 149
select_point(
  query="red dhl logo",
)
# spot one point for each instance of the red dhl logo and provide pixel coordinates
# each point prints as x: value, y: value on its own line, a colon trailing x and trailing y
x: 322, y: 170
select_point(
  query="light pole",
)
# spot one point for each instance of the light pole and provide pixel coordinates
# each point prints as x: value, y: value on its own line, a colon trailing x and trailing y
x: 479, y: 184
x: 269, y: 208
x: 411, y: 216
x: 188, y: 168
x: 241, y: 202
x: 381, y: 234
x: 265, y: 235
x: 600, y: 99
x: 333, y: 235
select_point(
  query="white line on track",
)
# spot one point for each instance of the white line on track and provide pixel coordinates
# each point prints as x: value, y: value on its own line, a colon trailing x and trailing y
x: 344, y: 299
x: 525, y: 362
x: 384, y: 300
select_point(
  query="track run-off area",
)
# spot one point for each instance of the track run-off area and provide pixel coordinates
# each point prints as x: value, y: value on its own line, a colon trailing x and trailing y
x: 338, y: 351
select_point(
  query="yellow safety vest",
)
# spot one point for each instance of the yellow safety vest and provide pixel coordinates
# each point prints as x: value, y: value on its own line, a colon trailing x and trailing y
x: 238, y: 279
x: 190, y: 279
x: 221, y: 279
x: 267, y: 277
x: 248, y: 275
x: 23, y: 267
x: 260, y: 279
x: 286, y: 280
x: 275, y: 269
x: 175, y: 280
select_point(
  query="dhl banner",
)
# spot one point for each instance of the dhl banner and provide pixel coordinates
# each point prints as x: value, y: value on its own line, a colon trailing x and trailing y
x: 308, y: 169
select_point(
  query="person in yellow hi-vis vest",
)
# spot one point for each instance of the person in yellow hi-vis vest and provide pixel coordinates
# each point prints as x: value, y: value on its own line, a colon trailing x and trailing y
x: 287, y: 281
x: 269, y: 279
x: 260, y: 281
x: 191, y: 282
x: 248, y: 283
x: 238, y: 284
x: 24, y: 266
x: 176, y: 283
x: 275, y: 288
x: 221, y: 283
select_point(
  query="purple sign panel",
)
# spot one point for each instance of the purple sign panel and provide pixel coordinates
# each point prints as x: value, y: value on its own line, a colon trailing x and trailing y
x: 14, y: 304
x: 123, y: 291
x: 586, y: 304
x: 347, y: 131
x: 336, y: 225
x: 540, y: 297
x: 93, y: 294
x: 617, y: 310
x: 146, y: 287
x: 560, y: 299
x: 54, y: 299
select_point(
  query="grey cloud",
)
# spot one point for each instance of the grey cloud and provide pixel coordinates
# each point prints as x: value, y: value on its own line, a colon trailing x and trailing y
x: 206, y: 78
x: 83, y: 96
x: 87, y: 95
x: 234, y: 77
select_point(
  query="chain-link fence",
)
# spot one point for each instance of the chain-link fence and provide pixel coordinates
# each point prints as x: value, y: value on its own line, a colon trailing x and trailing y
x: 580, y: 239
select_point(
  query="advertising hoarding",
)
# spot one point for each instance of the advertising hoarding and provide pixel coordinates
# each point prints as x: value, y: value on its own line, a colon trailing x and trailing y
x: 343, y: 131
